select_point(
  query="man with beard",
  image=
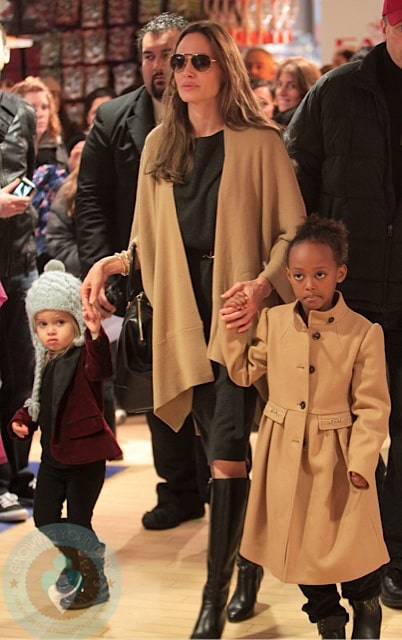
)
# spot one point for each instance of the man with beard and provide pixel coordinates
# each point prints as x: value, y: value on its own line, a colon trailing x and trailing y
x: 104, y: 207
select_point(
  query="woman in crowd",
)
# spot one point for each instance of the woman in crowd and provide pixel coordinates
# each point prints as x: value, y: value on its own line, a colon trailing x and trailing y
x: 49, y: 146
x: 217, y: 204
x: 264, y: 93
x: 91, y: 103
x: 294, y: 77
x: 51, y: 161
x: 61, y: 236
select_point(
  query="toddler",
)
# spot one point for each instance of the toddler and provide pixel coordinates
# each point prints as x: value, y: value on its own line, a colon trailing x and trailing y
x: 72, y: 360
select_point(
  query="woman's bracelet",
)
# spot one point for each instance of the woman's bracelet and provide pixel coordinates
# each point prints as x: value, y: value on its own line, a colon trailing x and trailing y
x: 124, y: 258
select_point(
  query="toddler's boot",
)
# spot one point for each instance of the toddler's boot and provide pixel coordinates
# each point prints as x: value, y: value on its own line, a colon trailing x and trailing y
x: 332, y: 627
x: 94, y: 589
x: 367, y: 616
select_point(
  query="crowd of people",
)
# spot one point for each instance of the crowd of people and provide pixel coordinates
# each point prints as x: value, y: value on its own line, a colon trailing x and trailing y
x: 262, y: 201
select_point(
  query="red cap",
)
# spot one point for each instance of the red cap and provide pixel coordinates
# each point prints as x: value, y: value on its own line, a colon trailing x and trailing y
x: 392, y: 9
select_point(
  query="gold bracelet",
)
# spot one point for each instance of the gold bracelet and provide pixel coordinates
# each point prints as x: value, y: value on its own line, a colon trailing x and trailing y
x: 125, y: 262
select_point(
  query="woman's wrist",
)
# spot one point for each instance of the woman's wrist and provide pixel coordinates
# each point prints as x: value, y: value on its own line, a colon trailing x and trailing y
x: 124, y: 259
x: 111, y: 265
x: 264, y: 287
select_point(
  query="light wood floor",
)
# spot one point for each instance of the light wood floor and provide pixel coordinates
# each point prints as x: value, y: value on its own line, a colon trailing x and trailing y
x: 162, y: 573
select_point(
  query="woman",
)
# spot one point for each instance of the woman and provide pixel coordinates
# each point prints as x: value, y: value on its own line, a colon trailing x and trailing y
x: 51, y: 159
x: 60, y: 235
x: 92, y: 101
x: 294, y: 77
x: 217, y: 203
x: 49, y: 146
x: 264, y: 93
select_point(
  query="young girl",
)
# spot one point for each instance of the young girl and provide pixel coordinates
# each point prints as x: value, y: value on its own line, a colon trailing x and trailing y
x: 313, y: 516
x: 71, y: 363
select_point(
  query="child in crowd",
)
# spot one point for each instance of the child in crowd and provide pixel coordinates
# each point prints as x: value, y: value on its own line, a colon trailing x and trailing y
x: 72, y: 360
x: 313, y: 516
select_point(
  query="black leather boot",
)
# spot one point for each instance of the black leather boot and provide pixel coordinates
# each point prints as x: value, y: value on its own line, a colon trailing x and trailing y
x: 367, y: 616
x: 391, y: 588
x: 94, y: 589
x: 332, y: 627
x: 242, y: 602
x: 228, y: 502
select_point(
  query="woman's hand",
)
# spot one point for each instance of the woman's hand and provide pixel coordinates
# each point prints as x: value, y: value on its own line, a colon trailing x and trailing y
x: 20, y: 429
x: 92, y: 289
x: 11, y: 205
x: 251, y: 293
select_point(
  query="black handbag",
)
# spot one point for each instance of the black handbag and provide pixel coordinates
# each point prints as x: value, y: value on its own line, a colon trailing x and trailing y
x: 133, y: 380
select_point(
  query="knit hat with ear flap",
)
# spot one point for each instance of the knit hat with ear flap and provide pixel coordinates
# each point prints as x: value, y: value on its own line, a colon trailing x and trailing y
x: 54, y: 290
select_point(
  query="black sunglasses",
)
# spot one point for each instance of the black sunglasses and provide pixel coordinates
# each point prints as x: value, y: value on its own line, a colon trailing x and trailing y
x: 200, y: 61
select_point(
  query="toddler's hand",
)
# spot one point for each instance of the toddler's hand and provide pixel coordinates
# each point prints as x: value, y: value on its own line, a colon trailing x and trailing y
x: 358, y: 481
x: 93, y: 323
x: 20, y: 430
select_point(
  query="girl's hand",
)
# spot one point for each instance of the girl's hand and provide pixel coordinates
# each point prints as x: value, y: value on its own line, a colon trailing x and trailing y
x: 20, y: 429
x: 92, y: 291
x: 93, y: 323
x: 238, y: 301
x: 252, y: 293
x: 358, y: 481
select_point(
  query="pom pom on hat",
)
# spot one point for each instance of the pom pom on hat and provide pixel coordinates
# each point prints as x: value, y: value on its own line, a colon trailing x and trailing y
x: 55, y: 289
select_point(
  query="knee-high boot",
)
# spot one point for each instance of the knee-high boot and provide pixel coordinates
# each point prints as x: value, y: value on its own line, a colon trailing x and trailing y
x: 227, y: 507
x: 242, y: 602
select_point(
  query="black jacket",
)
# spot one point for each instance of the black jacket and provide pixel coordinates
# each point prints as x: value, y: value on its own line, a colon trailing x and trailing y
x: 340, y: 140
x: 107, y: 180
x: 61, y: 235
x: 17, y: 153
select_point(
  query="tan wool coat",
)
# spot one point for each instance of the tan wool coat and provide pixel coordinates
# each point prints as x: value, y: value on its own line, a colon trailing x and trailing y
x: 259, y: 206
x: 327, y: 414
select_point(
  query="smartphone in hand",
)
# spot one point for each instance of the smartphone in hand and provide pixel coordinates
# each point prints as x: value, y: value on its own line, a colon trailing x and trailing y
x: 25, y: 188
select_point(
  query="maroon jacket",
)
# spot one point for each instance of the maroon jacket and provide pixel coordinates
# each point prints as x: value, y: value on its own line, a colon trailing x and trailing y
x: 80, y: 433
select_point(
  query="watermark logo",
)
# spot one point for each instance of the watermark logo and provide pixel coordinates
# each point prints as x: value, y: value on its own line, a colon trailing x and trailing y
x: 51, y: 573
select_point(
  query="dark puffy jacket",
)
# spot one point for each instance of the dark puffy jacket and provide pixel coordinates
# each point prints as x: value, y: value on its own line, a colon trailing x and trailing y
x: 340, y: 140
x: 17, y: 153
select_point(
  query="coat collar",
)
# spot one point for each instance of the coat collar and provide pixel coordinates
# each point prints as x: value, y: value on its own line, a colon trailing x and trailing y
x: 322, y: 318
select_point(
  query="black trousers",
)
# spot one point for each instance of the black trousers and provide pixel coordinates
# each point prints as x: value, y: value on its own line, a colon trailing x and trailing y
x: 180, y: 460
x: 324, y: 600
x: 16, y: 373
x: 391, y: 493
x: 79, y: 485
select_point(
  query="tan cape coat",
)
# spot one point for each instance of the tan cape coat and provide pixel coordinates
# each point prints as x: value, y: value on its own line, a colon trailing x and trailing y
x: 259, y: 207
x: 327, y: 414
